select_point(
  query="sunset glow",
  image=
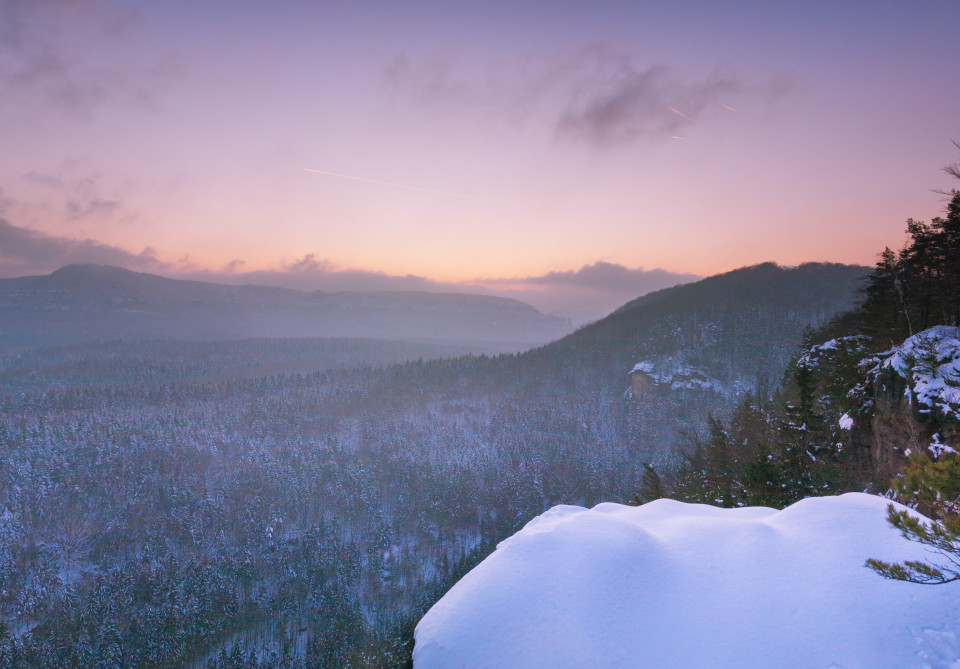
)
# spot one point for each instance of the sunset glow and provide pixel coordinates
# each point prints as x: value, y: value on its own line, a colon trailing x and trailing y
x: 471, y: 142
x: 393, y: 185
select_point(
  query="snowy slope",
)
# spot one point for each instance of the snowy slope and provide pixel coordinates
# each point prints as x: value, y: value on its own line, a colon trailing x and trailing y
x: 669, y: 584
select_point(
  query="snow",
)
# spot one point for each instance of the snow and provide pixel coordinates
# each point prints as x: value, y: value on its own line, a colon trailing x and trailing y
x: 930, y: 362
x: 841, y: 345
x: 827, y: 345
x: 669, y: 584
x: 846, y: 422
x: 647, y: 367
x: 676, y: 374
x: 938, y: 448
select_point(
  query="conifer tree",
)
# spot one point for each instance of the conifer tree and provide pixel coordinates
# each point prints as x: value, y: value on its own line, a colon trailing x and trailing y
x: 934, y: 487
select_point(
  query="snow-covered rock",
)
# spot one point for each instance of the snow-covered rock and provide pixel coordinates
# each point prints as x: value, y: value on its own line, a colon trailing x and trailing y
x: 669, y: 584
x: 930, y: 362
x: 676, y: 374
x: 815, y: 355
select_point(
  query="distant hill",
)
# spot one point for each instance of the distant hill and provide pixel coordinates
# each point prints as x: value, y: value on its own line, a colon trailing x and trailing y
x: 80, y: 303
x: 740, y: 327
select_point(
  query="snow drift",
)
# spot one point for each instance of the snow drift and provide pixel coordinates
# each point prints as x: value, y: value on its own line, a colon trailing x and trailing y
x: 669, y: 584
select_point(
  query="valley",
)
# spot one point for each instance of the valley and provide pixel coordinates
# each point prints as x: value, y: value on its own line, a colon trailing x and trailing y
x: 291, y: 501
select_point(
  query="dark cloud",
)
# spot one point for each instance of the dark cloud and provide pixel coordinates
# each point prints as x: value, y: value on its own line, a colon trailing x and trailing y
x: 24, y: 251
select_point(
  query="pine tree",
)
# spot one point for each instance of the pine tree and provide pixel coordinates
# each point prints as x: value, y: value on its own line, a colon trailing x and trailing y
x: 934, y: 488
x: 651, y: 487
x: 885, y: 316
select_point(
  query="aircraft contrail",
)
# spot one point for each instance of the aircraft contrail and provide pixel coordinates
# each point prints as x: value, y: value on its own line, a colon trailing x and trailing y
x: 394, y: 185
x: 733, y: 109
x: 680, y: 113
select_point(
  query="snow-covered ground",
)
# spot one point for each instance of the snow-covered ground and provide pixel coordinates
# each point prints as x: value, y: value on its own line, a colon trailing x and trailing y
x: 669, y: 584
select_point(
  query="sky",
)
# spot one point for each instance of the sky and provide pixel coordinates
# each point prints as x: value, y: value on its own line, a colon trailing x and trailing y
x: 572, y: 154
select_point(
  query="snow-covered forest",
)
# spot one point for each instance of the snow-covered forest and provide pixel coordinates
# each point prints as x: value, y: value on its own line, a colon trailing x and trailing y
x: 207, y: 504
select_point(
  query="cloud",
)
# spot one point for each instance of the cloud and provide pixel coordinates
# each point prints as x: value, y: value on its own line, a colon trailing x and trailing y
x: 595, y: 94
x: 97, y: 208
x: 70, y: 194
x: 46, y: 55
x: 588, y: 293
x: 24, y: 251
x: 605, y: 276
x: 632, y: 104
x: 309, y: 263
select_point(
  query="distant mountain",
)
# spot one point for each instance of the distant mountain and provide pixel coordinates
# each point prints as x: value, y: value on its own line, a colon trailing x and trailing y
x: 81, y: 303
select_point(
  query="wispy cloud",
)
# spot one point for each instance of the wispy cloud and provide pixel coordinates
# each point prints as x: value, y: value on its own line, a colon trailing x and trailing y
x: 625, y: 105
x: 596, y: 94
x: 46, y: 55
x: 71, y: 195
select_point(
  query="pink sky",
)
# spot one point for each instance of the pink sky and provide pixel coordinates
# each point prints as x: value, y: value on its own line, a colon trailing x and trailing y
x: 521, y: 138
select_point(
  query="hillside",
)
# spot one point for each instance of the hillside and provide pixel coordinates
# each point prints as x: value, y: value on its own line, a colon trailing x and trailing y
x: 81, y: 303
x: 740, y: 327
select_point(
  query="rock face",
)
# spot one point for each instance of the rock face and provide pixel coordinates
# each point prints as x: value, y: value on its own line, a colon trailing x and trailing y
x: 669, y: 584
